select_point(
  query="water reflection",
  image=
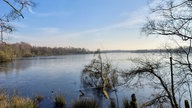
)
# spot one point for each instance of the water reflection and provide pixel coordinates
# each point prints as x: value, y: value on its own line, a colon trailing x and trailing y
x: 98, y: 95
x: 15, y: 66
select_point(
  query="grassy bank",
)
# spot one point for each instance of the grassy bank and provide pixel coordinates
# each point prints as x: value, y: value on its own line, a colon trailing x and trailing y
x: 16, y: 102
x: 59, y: 101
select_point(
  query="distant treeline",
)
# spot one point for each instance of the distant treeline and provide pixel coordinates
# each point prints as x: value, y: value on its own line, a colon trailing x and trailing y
x: 172, y: 50
x: 22, y: 49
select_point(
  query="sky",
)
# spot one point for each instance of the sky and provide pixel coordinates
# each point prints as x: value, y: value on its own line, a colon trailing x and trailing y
x: 90, y: 24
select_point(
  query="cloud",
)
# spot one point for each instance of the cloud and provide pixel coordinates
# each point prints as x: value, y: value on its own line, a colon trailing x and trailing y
x: 30, y: 10
x: 49, y: 30
x: 50, y: 14
x: 43, y: 14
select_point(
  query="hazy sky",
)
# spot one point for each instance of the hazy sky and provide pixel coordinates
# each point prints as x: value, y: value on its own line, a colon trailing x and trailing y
x: 92, y: 24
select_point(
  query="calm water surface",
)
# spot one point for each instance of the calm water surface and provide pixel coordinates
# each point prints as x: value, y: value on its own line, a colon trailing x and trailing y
x: 48, y: 76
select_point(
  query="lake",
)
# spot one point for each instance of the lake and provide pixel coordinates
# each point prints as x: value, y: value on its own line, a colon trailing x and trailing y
x: 50, y: 75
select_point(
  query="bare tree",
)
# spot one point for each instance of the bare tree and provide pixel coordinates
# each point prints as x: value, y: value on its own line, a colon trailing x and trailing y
x: 16, y: 8
x: 101, y: 76
x: 159, y: 76
x: 171, y: 18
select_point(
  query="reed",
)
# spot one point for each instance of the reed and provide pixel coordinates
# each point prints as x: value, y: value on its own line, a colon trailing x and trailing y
x: 15, y: 101
x: 3, y: 102
x: 84, y: 103
x: 20, y: 102
x: 60, y: 101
